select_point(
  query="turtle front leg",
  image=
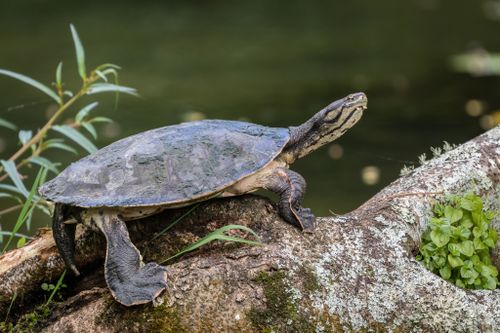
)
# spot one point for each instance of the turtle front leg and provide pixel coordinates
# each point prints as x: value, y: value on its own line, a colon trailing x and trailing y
x: 131, y: 281
x: 291, y: 186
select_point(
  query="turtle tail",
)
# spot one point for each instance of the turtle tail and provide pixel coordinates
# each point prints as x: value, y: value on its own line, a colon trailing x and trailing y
x: 64, y: 235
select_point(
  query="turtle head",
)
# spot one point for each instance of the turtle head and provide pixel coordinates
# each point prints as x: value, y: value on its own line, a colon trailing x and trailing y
x: 326, y: 125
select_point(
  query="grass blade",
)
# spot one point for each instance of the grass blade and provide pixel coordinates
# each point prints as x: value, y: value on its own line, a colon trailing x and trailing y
x: 218, y: 235
x: 11, y: 170
x: 27, y: 208
x: 58, y: 285
x: 76, y: 137
x: 7, y: 124
x: 35, y: 84
x: 80, y: 53
x: 97, y: 88
x: 85, y: 111
x: 10, y: 306
x: 171, y: 225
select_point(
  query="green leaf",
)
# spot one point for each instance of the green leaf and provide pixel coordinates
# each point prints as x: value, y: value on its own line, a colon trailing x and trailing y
x: 468, y: 273
x: 76, y: 137
x: 440, y: 261
x: 466, y: 221
x: 80, y: 53
x: 7, y: 124
x: 42, y: 161
x: 97, y: 88
x: 489, y: 242
x: 20, y: 242
x: 25, y: 136
x: 68, y: 93
x: 111, y: 71
x: 466, y: 247
x: 16, y: 234
x: 439, y: 237
x: 489, y: 270
x: 101, y: 75
x: 462, y: 232
x: 490, y: 214
x: 438, y: 209
x: 85, y: 111
x: 452, y: 214
x: 472, y: 203
x: 100, y: 120
x: 455, y: 261
x: 479, y: 245
x: 90, y: 128
x: 477, y: 216
x: 490, y: 283
x: 445, y: 272
x: 11, y: 170
x: 459, y: 283
x: 454, y: 249
x: 436, y: 222
x: 8, y: 195
x: 58, y: 143
x: 35, y: 84
x: 59, y: 74
x: 11, y: 188
x: 27, y: 207
x: 108, y: 65
x: 479, y: 230
x: 45, y: 286
x: 492, y: 233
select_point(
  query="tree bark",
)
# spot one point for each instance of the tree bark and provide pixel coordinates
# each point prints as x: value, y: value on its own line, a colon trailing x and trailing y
x: 356, y: 272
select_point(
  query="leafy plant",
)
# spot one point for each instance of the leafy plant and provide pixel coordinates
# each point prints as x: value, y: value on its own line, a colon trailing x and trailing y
x: 457, y: 244
x: 34, y: 145
x: 54, y: 289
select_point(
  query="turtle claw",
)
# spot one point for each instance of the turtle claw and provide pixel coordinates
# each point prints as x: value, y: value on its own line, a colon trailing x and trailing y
x: 307, y: 219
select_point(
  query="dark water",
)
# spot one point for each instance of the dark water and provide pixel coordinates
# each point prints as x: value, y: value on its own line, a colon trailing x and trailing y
x: 270, y: 62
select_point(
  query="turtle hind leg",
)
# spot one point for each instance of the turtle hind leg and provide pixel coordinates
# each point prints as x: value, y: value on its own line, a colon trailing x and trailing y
x: 64, y: 236
x: 130, y: 281
x: 291, y: 186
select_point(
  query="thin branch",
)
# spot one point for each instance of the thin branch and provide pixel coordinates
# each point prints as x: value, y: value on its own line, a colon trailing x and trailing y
x: 10, y: 209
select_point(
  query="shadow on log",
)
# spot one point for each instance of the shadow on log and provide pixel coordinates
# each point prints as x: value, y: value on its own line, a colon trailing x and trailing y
x: 357, y: 272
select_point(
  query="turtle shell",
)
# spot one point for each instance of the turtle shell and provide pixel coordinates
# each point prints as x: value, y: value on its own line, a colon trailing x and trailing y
x: 168, y: 166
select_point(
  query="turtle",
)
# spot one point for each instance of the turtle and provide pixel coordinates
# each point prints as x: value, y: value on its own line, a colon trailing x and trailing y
x: 177, y: 166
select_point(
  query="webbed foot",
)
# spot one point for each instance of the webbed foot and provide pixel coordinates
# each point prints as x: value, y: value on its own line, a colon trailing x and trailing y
x: 130, y: 280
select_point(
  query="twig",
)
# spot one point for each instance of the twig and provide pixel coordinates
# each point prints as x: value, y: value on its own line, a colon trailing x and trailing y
x: 10, y: 209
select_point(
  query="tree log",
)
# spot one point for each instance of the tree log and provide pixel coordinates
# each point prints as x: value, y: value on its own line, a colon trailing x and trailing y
x: 357, y: 272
